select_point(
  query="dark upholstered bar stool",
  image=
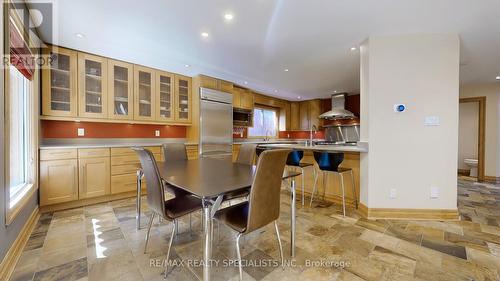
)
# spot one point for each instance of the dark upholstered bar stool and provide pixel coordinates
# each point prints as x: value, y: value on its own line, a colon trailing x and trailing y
x: 263, y: 206
x: 329, y: 162
x: 293, y: 160
x: 170, y: 210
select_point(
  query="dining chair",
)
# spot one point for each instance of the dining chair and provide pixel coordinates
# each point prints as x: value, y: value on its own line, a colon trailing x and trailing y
x: 263, y: 205
x: 170, y: 210
x: 174, y: 152
x: 246, y: 157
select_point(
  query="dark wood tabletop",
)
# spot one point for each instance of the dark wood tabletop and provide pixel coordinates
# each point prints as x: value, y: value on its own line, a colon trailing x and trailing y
x: 208, y: 177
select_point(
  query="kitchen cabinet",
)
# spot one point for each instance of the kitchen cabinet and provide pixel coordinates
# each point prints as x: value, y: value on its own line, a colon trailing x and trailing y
x: 182, y: 99
x: 216, y: 84
x: 59, y: 82
x: 92, y: 86
x: 242, y: 98
x: 192, y: 151
x: 294, y: 116
x: 124, y: 165
x: 144, y: 93
x: 165, y: 96
x: 58, y: 176
x: 93, y: 172
x: 120, y: 90
x: 304, y: 114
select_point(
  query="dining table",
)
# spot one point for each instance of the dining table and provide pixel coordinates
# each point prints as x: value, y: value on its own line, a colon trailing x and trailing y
x: 210, y: 179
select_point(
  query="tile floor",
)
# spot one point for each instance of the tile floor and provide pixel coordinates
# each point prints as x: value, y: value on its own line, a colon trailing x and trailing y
x: 100, y: 242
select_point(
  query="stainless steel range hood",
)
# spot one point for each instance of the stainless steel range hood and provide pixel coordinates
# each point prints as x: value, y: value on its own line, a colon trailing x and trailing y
x: 338, y: 109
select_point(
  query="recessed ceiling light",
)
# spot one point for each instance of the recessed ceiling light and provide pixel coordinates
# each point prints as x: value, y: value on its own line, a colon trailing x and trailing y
x: 228, y: 16
x: 275, y: 91
x: 286, y: 69
x: 187, y: 65
x: 245, y: 82
x: 334, y: 92
x: 353, y: 48
x: 204, y: 34
x: 299, y: 97
x: 79, y: 35
x: 498, y: 77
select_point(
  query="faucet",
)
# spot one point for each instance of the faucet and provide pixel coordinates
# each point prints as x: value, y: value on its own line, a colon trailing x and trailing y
x: 267, y: 137
x: 313, y: 127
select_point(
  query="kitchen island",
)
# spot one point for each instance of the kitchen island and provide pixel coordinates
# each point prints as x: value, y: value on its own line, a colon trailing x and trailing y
x: 332, y: 192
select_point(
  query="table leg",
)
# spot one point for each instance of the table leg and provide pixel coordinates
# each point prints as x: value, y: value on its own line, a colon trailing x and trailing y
x: 292, y: 205
x: 138, y: 199
x: 207, y: 254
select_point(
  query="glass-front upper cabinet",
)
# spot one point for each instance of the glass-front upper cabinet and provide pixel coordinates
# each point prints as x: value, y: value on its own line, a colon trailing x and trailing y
x: 183, y: 99
x: 92, y: 86
x: 164, y: 96
x: 144, y: 93
x: 120, y: 90
x: 59, y: 86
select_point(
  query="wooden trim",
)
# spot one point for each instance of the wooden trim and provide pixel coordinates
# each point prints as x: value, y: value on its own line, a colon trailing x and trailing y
x: 463, y: 172
x: 349, y: 202
x: 412, y: 214
x: 88, y: 201
x: 12, y: 257
x: 481, y: 133
x: 78, y: 119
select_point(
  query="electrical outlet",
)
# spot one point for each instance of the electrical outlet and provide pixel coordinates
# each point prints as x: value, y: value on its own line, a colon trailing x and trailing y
x: 157, y: 133
x: 81, y: 132
x: 434, y: 192
x: 392, y: 193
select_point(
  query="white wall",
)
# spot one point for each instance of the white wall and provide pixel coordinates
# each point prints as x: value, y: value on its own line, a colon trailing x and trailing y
x: 492, y: 127
x: 421, y: 71
x: 468, y: 132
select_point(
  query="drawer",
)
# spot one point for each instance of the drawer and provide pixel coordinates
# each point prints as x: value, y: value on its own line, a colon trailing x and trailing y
x: 129, y: 159
x: 124, y: 169
x: 125, y: 183
x: 120, y: 151
x: 58, y: 154
x: 93, y: 152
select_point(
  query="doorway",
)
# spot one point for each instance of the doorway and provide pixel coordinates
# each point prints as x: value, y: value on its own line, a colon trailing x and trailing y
x: 472, y: 135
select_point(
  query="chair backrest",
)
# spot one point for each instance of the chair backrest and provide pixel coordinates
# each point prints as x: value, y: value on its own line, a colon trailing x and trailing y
x: 294, y: 157
x: 246, y: 154
x: 155, y: 189
x: 259, y: 150
x: 328, y: 161
x: 174, y: 152
x: 264, y: 199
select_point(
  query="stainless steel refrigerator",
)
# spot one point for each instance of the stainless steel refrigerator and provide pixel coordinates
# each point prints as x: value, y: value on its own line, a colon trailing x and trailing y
x: 216, y: 123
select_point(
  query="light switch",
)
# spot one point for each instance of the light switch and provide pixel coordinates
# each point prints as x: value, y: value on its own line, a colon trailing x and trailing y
x: 81, y: 132
x: 434, y: 192
x: 393, y: 193
x: 431, y: 121
x: 157, y: 133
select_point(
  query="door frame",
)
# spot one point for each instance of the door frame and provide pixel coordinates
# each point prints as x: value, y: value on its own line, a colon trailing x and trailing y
x: 481, y: 133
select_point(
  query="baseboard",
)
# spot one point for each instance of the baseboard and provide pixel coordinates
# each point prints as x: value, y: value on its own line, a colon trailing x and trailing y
x: 412, y: 214
x: 88, y: 201
x: 492, y: 179
x: 10, y: 260
x: 463, y: 172
x: 349, y: 202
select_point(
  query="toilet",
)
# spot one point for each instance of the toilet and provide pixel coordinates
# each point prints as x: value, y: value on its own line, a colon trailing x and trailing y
x: 472, y: 164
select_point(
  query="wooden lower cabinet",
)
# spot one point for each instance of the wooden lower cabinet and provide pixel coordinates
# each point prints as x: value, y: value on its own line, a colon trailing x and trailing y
x: 58, y: 181
x: 94, y: 177
x: 236, y: 151
x: 192, y: 151
x: 124, y: 183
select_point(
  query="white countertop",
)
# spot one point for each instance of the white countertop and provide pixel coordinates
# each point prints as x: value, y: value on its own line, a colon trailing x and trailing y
x: 361, y: 147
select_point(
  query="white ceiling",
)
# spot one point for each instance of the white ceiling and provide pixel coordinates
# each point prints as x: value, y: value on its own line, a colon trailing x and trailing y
x: 312, y: 38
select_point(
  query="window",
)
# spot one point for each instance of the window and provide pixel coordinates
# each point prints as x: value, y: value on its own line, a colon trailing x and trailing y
x: 265, y: 123
x: 19, y: 134
x: 20, y: 117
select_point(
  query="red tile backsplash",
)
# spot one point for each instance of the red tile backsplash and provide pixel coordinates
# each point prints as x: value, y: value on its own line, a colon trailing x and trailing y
x: 68, y: 129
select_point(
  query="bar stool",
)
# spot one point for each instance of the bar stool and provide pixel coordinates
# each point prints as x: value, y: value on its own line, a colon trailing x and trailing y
x: 329, y: 162
x: 294, y: 161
